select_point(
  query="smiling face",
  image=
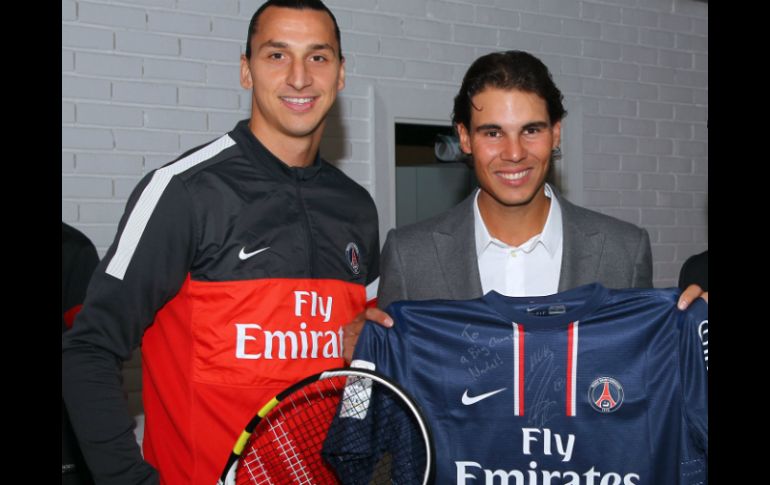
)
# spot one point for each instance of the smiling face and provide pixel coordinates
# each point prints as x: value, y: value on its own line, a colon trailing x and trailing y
x: 510, y: 138
x: 294, y: 73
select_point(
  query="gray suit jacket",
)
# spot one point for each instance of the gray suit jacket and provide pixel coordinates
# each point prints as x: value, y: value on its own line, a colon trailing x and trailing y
x: 436, y: 258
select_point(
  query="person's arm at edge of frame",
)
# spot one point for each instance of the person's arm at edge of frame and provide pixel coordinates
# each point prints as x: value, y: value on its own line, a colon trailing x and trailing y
x: 691, y: 291
x: 80, y: 266
x: 643, y: 274
x: 79, y: 261
x: 110, y: 326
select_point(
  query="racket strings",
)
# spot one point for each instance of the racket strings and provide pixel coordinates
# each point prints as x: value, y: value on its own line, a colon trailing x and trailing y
x: 255, y: 468
x: 289, y: 453
x: 285, y: 448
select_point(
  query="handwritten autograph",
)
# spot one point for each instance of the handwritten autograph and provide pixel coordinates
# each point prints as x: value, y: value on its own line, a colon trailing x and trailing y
x: 541, y: 378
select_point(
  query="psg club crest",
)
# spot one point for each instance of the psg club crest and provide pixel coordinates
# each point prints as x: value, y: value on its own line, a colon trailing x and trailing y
x: 353, y: 256
x: 605, y: 395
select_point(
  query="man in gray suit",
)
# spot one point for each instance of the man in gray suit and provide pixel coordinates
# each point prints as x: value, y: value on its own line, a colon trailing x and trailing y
x: 516, y: 234
x: 508, y: 116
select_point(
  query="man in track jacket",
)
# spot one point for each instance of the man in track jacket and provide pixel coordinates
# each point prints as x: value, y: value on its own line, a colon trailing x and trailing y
x: 235, y: 268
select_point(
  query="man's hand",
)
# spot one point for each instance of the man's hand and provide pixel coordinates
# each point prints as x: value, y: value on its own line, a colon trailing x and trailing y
x: 690, y: 294
x: 351, y: 330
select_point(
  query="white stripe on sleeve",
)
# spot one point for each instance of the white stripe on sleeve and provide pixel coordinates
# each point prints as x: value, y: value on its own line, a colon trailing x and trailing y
x: 140, y: 215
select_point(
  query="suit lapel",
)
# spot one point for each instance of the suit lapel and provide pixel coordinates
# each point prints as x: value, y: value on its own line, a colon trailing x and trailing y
x: 582, y: 249
x: 455, y: 244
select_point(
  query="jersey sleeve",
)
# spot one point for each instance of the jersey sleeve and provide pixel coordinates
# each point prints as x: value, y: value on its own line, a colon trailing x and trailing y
x: 382, y: 349
x: 384, y: 427
x: 693, y: 355
x: 143, y: 269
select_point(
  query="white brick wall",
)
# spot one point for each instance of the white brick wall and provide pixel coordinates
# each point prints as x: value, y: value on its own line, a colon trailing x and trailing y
x: 144, y: 80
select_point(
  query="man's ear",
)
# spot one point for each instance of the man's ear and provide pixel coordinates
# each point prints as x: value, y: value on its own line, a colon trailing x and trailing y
x: 246, y: 81
x: 465, y: 138
x: 556, y: 135
x: 341, y: 79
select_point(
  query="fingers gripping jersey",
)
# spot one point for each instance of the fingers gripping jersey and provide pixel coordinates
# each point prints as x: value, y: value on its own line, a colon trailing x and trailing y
x: 588, y: 386
x: 236, y: 273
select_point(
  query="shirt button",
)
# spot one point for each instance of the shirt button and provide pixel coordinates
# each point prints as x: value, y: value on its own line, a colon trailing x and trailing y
x: 513, y: 254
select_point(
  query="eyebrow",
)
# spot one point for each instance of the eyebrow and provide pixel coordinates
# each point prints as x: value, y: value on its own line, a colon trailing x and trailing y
x: 488, y: 126
x: 536, y: 124
x: 322, y: 47
x: 284, y: 45
x: 493, y: 126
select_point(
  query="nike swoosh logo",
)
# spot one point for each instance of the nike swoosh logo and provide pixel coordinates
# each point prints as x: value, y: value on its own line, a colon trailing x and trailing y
x: 468, y: 400
x: 243, y: 255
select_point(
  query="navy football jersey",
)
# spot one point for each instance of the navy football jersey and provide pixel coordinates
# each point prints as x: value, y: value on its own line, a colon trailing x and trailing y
x: 588, y: 386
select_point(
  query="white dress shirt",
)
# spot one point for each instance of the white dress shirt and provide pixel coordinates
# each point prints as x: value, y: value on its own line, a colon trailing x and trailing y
x: 531, y: 269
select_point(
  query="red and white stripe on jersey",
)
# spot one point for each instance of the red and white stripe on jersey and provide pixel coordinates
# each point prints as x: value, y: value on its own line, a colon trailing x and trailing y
x: 140, y: 214
x: 518, y: 369
x: 572, y: 350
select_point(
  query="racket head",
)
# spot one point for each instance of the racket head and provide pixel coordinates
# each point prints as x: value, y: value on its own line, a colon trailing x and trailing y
x: 342, y: 426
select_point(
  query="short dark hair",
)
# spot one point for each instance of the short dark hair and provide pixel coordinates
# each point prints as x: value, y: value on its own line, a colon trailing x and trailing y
x: 508, y: 70
x: 297, y: 5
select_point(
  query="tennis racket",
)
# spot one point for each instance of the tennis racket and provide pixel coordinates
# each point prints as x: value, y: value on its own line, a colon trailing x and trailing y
x: 343, y: 426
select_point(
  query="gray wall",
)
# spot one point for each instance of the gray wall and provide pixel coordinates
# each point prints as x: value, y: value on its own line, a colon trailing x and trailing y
x: 144, y: 80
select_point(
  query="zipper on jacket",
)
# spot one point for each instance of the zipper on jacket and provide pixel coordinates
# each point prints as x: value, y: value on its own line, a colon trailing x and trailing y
x: 309, y: 248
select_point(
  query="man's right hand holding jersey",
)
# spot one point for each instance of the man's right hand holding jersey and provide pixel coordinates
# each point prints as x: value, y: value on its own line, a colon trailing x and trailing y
x: 351, y: 330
